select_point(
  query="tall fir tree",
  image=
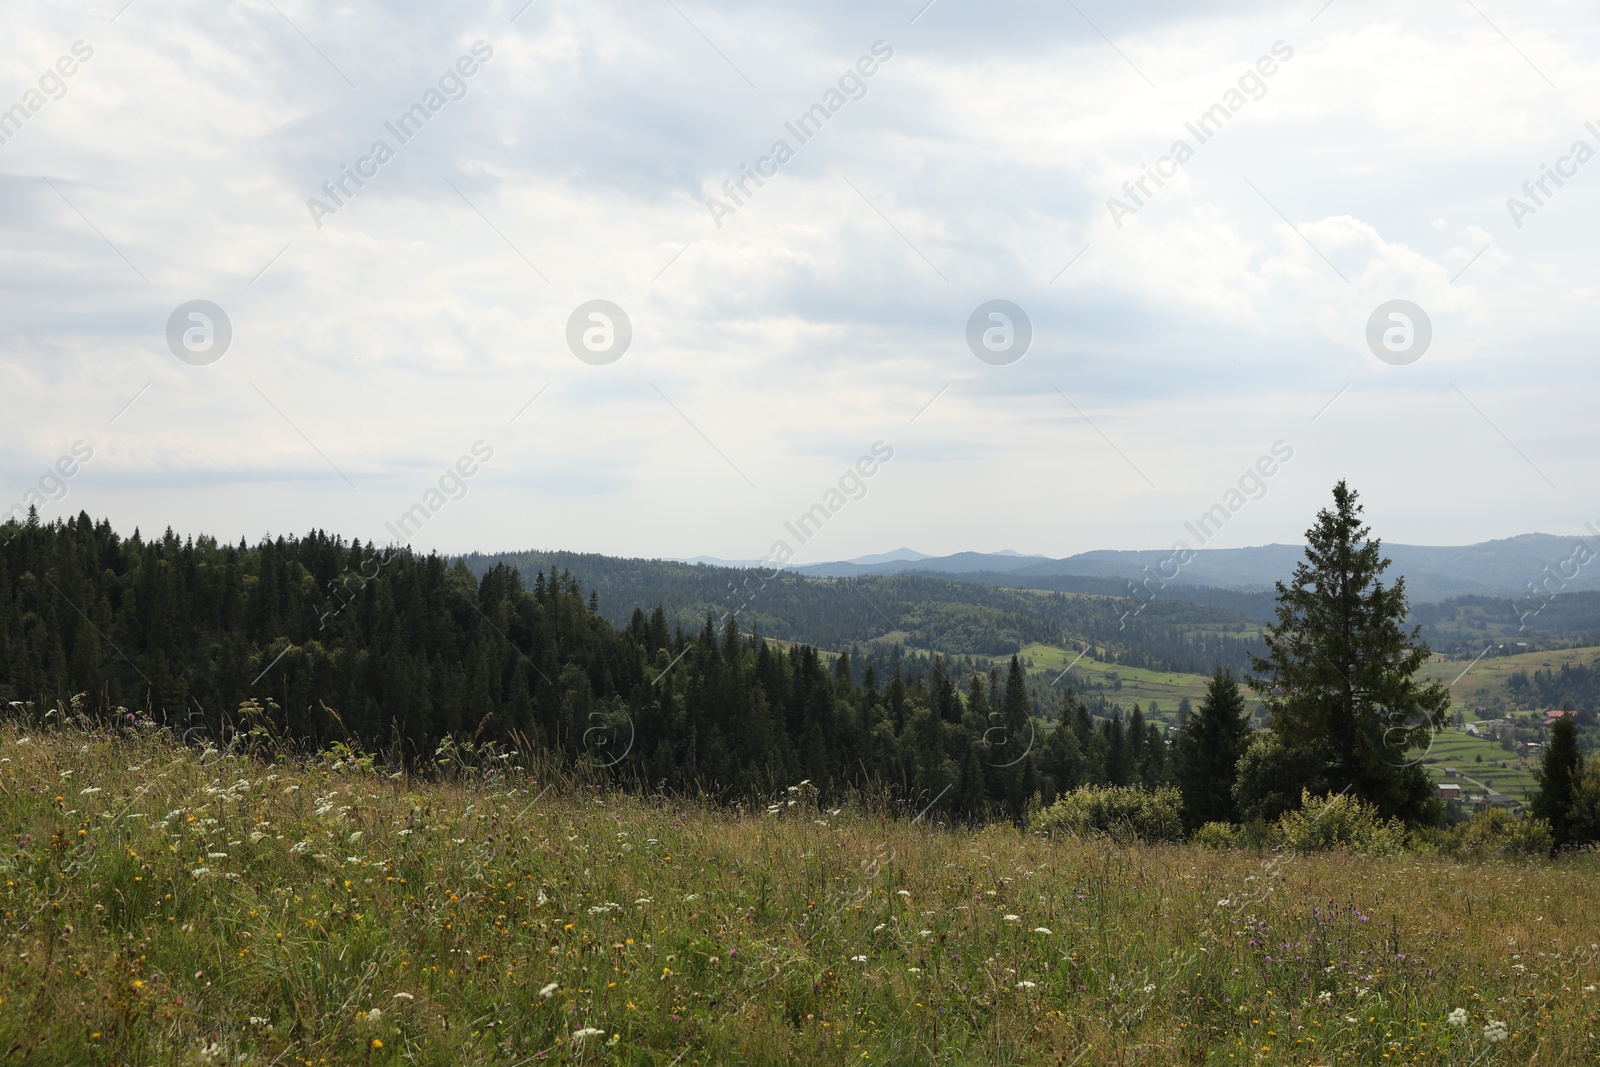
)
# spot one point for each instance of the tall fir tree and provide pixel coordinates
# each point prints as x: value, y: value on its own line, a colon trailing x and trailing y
x: 1339, y: 676
x: 1557, y: 779
x: 1207, y: 752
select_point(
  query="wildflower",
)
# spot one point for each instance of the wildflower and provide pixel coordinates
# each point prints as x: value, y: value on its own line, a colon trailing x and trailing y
x: 1588, y: 989
x: 1457, y: 1018
x: 1495, y: 1032
x: 902, y: 892
x: 858, y: 959
x: 642, y: 900
x: 93, y: 789
x: 913, y: 970
x: 879, y: 927
x: 580, y: 1036
x: 1150, y: 988
x: 1324, y: 997
x: 925, y: 933
x: 259, y: 1020
x: 375, y: 1015
x: 376, y: 1043
x: 404, y: 996
x: 1045, y: 930
x: 1224, y: 902
x: 1026, y: 984
x: 1013, y: 918
x: 550, y: 990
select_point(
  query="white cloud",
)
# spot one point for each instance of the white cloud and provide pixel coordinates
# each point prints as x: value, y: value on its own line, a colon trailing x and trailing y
x: 820, y: 317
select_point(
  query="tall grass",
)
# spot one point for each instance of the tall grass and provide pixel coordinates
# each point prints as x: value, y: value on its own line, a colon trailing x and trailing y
x: 174, y: 905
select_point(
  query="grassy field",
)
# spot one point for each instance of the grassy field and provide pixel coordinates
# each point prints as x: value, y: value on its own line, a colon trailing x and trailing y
x: 1456, y: 749
x: 1487, y: 678
x: 167, y: 906
x: 1166, y: 688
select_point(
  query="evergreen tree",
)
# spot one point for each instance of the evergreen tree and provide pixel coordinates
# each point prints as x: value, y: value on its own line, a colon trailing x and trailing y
x: 1557, y: 778
x: 1206, y: 754
x: 1339, y: 675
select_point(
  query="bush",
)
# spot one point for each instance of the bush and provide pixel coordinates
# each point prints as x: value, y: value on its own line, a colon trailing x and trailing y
x: 1339, y: 821
x: 1122, y: 813
x: 1496, y: 832
x: 1217, y: 835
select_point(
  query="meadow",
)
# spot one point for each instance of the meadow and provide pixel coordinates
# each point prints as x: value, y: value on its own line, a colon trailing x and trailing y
x: 182, y: 905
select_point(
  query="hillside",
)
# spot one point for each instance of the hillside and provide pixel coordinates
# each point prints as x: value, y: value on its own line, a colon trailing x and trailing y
x: 1504, y: 567
x: 167, y: 905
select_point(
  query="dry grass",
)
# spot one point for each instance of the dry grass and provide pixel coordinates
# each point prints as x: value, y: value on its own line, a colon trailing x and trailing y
x: 166, y: 906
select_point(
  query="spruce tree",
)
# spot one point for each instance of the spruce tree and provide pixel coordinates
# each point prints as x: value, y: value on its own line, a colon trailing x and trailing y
x: 1339, y: 675
x: 1552, y: 800
x: 1207, y: 752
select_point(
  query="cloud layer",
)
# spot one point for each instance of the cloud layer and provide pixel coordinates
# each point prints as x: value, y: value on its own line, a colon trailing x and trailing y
x: 771, y: 345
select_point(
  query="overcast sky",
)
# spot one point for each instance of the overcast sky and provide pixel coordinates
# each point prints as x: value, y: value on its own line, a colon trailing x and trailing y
x: 378, y: 335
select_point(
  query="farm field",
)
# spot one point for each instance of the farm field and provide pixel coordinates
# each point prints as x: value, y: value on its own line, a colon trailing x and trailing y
x: 1489, y: 676
x: 1454, y: 748
x: 1166, y: 688
x: 169, y: 906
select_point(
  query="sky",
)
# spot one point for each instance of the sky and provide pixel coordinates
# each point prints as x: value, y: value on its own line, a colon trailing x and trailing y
x: 1320, y: 240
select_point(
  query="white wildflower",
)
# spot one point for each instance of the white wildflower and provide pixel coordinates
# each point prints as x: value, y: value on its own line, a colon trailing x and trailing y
x: 858, y: 959
x: 549, y: 991
x: 902, y: 892
x: 1151, y: 988
x: 913, y: 970
x: 216, y: 855
x: 1495, y: 1032
x: 404, y: 996
x: 1224, y: 902
x: 580, y: 1036
x: 1045, y: 930
x: 375, y: 1015
x: 925, y: 933
x: 1013, y: 918
x: 89, y: 792
x: 1026, y: 984
x: 1457, y: 1018
x: 1324, y: 997
x: 259, y: 1020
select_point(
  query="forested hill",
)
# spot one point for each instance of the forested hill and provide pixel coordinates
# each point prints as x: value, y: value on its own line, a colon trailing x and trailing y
x: 315, y: 639
x: 939, y: 614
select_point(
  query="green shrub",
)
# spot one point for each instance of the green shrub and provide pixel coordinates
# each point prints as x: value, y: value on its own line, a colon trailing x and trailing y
x: 1339, y: 821
x: 1496, y: 832
x: 1122, y: 813
x: 1217, y: 835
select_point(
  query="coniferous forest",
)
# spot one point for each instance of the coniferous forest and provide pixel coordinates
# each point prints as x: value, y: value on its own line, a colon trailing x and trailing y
x: 320, y: 640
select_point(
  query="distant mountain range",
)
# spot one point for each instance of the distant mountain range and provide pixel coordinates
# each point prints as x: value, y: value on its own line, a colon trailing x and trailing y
x: 1493, y: 568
